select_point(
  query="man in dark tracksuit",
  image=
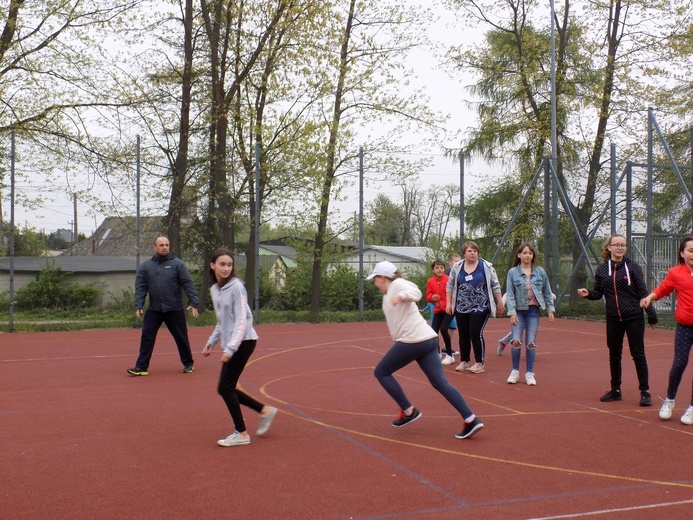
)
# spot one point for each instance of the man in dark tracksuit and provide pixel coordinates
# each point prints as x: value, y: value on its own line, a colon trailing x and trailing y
x: 164, y: 277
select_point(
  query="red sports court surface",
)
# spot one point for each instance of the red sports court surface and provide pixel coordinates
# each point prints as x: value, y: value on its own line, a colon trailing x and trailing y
x: 81, y: 439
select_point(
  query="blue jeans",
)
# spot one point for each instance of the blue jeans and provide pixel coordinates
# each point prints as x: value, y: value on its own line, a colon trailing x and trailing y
x: 527, y: 325
x: 425, y: 353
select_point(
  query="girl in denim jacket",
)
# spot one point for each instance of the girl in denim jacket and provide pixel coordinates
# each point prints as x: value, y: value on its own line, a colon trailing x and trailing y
x: 528, y: 290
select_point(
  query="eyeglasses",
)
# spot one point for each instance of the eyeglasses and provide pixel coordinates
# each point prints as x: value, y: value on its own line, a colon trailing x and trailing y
x: 619, y: 246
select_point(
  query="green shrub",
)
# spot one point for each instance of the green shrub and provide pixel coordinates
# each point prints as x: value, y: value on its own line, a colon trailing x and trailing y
x: 49, y: 291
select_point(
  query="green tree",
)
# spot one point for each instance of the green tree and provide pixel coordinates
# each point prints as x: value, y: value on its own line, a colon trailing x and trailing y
x: 598, y: 51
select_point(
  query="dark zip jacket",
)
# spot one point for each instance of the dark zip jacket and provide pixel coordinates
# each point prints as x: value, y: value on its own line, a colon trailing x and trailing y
x: 164, y: 278
x: 622, y: 285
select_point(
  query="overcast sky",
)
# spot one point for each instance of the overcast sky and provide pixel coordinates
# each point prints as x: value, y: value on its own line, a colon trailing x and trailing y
x: 447, y: 96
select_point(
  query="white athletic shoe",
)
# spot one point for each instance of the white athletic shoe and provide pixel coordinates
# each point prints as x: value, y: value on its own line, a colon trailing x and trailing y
x: 448, y: 360
x: 514, y: 377
x: 235, y: 439
x: 687, y: 417
x: 666, y: 409
x: 529, y: 378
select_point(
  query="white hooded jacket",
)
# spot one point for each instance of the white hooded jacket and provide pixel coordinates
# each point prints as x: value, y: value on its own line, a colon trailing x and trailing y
x: 234, y: 317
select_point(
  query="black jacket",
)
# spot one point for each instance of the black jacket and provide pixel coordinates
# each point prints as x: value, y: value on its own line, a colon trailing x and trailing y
x: 164, y: 278
x: 622, y: 285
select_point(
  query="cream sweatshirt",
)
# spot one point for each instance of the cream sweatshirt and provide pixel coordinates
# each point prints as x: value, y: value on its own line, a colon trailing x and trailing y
x: 405, y: 322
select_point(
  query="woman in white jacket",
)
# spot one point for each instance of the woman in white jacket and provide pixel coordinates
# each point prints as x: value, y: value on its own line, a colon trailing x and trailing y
x: 416, y: 341
x: 238, y: 339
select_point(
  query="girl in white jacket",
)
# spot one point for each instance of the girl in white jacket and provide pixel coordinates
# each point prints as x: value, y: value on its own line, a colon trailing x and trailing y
x: 238, y: 339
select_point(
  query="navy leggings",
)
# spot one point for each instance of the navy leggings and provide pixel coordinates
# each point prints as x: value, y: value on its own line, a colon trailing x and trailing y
x: 425, y: 353
x: 682, y: 349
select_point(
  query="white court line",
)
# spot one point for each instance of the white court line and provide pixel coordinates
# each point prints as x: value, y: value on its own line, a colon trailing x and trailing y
x: 618, y: 510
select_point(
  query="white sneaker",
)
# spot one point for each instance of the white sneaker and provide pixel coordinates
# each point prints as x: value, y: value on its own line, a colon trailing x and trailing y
x: 477, y: 368
x: 666, y: 409
x: 513, y: 377
x: 266, y: 421
x: 529, y: 378
x: 447, y: 360
x: 501, y: 347
x: 235, y: 439
x: 462, y: 367
x: 687, y: 417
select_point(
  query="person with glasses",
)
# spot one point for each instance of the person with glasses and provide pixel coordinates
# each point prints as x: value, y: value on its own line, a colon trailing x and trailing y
x: 620, y: 281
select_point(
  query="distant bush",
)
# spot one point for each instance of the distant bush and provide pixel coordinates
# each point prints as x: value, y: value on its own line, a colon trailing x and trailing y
x: 50, y: 291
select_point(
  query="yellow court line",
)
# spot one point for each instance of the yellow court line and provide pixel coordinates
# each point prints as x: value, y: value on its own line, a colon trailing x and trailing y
x: 437, y: 449
x: 493, y: 459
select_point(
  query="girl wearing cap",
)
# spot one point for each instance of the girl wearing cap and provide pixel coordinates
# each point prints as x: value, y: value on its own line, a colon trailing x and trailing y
x: 416, y: 341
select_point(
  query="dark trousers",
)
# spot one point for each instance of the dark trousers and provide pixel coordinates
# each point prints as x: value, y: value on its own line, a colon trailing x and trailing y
x: 230, y: 373
x: 177, y: 326
x: 470, y: 328
x: 682, y: 349
x: 425, y: 353
x: 635, y: 331
x: 441, y: 323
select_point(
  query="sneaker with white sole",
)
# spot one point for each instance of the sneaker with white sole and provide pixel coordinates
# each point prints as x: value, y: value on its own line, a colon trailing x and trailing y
x: 666, y: 409
x: 514, y: 377
x: 447, y: 360
x: 477, y: 368
x: 266, y: 421
x: 404, y: 419
x: 501, y: 347
x: 687, y: 417
x: 529, y: 379
x: 235, y: 439
x: 470, y: 429
x: 463, y: 366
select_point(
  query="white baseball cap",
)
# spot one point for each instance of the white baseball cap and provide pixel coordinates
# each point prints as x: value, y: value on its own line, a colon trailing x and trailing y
x: 384, y: 268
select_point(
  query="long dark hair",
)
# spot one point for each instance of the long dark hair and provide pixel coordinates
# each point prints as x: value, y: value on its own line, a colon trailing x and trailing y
x: 519, y: 250
x: 682, y: 246
x: 215, y: 256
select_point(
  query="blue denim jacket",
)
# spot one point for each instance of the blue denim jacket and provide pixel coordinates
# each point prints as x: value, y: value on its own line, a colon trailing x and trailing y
x: 516, y: 286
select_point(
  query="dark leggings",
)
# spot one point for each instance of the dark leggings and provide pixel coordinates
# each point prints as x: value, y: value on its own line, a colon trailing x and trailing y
x: 230, y: 373
x: 441, y: 324
x: 425, y: 354
x: 470, y: 328
x: 635, y: 330
x: 682, y: 349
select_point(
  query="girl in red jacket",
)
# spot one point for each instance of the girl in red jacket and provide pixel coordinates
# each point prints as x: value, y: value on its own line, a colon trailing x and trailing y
x: 435, y: 294
x: 679, y: 279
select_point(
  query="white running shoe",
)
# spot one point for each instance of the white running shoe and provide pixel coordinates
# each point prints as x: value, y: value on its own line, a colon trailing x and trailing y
x: 514, y: 377
x: 447, y: 360
x: 266, y: 421
x: 687, y: 417
x: 666, y: 409
x: 501, y: 347
x: 477, y: 368
x: 529, y: 378
x: 462, y: 367
x: 235, y: 439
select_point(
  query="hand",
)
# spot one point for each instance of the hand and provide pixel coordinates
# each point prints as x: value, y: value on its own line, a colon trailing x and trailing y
x: 653, y: 326
x: 583, y: 293
x: 646, y: 301
x: 513, y: 320
x: 551, y: 316
x: 500, y: 308
x: 207, y: 350
x: 448, y: 308
x: 194, y: 311
x: 435, y: 297
x: 396, y: 299
x: 225, y: 357
x: 138, y: 313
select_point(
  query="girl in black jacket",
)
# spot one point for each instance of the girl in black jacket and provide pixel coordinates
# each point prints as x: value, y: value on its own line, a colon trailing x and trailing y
x: 620, y: 281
